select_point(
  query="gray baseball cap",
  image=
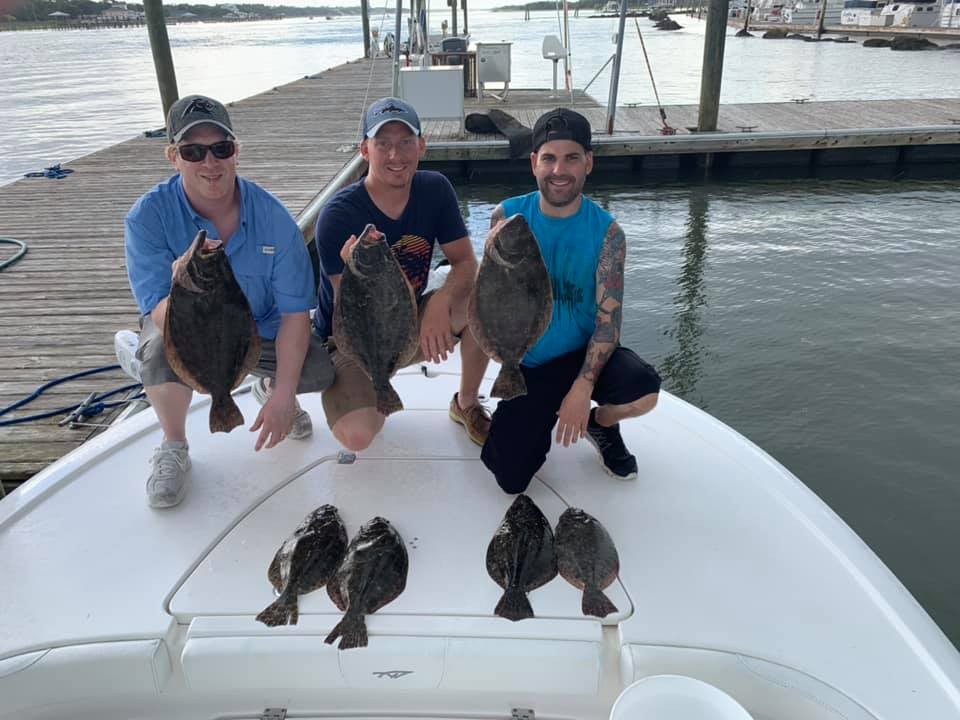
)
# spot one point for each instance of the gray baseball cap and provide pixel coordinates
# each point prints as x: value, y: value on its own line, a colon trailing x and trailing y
x: 193, y: 110
x: 390, y: 109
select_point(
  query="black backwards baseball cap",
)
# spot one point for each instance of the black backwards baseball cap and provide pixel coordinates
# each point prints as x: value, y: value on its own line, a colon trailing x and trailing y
x: 192, y: 110
x: 562, y: 124
x: 390, y: 109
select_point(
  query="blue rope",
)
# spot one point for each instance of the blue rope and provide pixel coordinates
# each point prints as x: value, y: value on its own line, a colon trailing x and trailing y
x: 54, y: 171
x: 95, y: 407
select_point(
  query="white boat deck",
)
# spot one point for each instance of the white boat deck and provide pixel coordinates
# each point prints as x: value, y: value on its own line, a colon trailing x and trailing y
x: 731, y: 572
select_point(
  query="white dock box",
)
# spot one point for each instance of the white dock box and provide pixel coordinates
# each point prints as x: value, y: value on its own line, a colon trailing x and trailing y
x: 435, y: 92
x: 493, y: 62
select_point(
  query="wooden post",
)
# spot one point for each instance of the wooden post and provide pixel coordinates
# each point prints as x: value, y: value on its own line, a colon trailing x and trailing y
x: 746, y: 18
x: 162, y: 59
x: 453, y: 10
x: 365, y: 20
x: 821, y: 14
x: 712, y: 73
x: 463, y: 4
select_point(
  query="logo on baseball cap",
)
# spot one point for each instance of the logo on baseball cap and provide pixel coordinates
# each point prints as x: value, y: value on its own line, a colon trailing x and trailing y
x: 562, y: 124
x: 193, y: 110
x: 390, y: 109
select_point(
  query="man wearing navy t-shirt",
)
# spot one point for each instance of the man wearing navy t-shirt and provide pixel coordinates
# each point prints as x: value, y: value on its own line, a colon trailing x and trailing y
x: 413, y: 208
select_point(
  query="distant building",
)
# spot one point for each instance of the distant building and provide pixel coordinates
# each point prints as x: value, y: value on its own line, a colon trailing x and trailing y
x: 121, y: 12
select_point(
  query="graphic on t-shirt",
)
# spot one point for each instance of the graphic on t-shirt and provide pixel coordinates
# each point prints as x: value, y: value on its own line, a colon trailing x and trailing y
x: 567, y: 296
x: 413, y: 253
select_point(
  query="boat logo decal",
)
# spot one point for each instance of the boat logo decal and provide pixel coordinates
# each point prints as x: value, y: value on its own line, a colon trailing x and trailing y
x: 392, y: 674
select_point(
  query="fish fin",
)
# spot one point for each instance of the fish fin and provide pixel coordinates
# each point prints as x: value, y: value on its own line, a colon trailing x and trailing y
x: 352, y: 631
x: 596, y: 603
x: 387, y: 400
x: 509, y: 383
x: 282, y: 611
x: 224, y: 414
x: 514, y: 605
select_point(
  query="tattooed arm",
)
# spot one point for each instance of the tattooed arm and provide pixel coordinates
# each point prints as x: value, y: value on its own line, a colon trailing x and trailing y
x: 606, y: 336
x: 575, y: 410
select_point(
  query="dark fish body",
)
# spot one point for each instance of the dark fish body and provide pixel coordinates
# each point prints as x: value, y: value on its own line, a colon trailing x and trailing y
x: 520, y: 557
x: 304, y: 563
x: 512, y: 301
x: 587, y: 558
x: 375, y: 317
x: 373, y: 573
x: 210, y: 336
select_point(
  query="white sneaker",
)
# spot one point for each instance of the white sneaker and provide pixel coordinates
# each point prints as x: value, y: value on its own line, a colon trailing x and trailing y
x: 302, y: 424
x: 125, y: 344
x: 167, y: 484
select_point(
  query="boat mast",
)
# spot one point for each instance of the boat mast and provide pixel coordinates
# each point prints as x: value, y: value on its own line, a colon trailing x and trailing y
x: 567, y: 65
x: 615, y: 73
x: 396, y: 52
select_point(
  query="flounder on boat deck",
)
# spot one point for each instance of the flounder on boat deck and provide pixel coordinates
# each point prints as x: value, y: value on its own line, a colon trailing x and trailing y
x: 304, y: 563
x: 587, y: 558
x: 512, y: 301
x: 520, y: 557
x: 375, y: 316
x: 373, y: 573
x: 210, y: 336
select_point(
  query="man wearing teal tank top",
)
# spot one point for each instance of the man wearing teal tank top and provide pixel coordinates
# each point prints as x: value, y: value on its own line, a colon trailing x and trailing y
x: 579, y: 359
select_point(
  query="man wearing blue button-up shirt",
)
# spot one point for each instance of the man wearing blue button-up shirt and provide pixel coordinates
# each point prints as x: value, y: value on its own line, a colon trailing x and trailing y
x: 269, y: 260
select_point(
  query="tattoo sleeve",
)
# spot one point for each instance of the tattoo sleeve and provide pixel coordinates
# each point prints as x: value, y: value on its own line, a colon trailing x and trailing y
x: 606, y: 336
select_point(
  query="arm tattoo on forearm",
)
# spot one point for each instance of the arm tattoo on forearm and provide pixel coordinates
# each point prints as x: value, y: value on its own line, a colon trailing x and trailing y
x: 606, y: 336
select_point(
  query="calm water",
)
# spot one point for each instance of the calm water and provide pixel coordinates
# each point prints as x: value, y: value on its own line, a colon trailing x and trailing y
x: 65, y: 94
x: 821, y: 320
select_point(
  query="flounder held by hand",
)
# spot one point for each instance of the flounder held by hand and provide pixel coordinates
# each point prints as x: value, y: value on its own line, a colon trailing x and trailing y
x: 373, y: 573
x: 512, y: 301
x: 587, y: 558
x: 520, y: 557
x: 210, y: 336
x: 375, y: 317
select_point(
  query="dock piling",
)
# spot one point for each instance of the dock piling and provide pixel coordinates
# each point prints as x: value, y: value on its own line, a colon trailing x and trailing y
x: 162, y: 59
x: 712, y: 73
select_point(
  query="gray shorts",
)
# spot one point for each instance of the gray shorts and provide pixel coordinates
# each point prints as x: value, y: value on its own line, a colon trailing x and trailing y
x: 316, y: 375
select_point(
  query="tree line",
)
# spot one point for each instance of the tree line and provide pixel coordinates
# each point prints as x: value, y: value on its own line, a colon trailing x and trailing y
x: 39, y: 10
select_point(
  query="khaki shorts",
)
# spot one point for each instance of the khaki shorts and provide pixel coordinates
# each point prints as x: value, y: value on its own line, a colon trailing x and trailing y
x: 352, y: 389
x: 316, y: 375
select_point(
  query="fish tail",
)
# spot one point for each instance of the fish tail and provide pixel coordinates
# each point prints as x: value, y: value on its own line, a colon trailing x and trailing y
x: 387, y: 400
x: 514, y: 605
x: 282, y: 611
x: 352, y: 631
x: 596, y: 603
x: 509, y: 383
x: 224, y: 414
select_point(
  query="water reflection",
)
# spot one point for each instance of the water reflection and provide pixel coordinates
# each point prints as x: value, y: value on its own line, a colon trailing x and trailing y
x: 682, y: 368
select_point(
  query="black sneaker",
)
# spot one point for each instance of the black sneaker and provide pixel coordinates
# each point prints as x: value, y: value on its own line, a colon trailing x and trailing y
x: 617, y: 460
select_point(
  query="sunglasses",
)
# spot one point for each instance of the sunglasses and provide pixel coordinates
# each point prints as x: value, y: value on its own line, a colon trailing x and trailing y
x: 196, y: 152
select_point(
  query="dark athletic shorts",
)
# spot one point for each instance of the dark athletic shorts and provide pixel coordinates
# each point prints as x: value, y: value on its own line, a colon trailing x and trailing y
x: 521, y: 429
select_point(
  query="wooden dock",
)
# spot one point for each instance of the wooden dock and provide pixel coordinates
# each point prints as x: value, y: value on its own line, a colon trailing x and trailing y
x: 63, y: 302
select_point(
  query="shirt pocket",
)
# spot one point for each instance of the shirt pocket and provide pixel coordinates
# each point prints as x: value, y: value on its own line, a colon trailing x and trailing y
x: 254, y: 273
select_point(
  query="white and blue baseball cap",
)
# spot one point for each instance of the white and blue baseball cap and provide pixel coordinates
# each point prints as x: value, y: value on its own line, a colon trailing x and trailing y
x: 390, y: 109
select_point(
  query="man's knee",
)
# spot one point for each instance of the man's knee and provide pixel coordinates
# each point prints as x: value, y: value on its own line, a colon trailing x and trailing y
x: 511, y: 475
x: 357, y: 429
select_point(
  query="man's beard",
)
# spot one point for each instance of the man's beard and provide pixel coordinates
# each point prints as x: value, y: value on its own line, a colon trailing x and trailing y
x: 557, y: 197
